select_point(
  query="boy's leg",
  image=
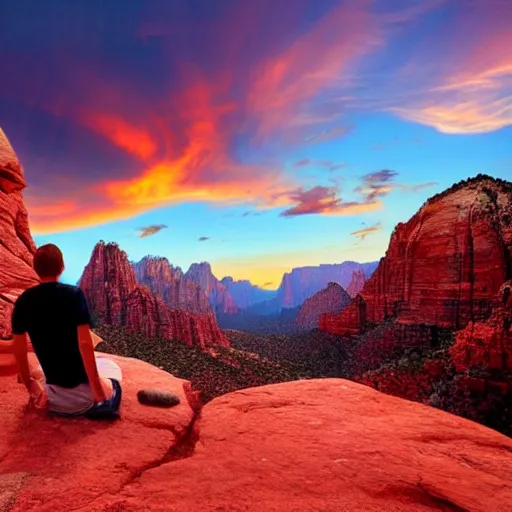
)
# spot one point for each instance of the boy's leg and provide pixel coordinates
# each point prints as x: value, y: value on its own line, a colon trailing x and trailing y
x: 108, y: 370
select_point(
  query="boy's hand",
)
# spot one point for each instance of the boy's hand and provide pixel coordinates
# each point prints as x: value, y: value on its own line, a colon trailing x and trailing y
x: 38, y: 398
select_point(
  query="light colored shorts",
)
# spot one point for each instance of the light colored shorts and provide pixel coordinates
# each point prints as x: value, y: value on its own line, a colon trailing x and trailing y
x: 79, y: 399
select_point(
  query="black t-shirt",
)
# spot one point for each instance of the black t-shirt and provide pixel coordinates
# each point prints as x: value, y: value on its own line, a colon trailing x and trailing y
x: 50, y: 313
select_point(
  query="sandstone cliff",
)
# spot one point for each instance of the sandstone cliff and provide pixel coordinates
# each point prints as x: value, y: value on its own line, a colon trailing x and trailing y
x: 332, y: 299
x: 16, y: 245
x: 249, y: 454
x: 488, y: 345
x: 114, y: 296
x: 356, y: 283
x: 445, y: 265
x: 170, y: 284
x: 218, y: 295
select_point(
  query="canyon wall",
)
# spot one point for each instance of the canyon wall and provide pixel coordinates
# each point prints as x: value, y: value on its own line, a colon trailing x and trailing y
x: 356, y: 283
x: 218, y: 295
x: 445, y: 265
x: 114, y: 296
x: 332, y: 299
x: 16, y: 245
x: 170, y: 284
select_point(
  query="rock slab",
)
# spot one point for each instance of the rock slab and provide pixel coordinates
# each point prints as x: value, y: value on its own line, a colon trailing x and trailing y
x: 307, y: 446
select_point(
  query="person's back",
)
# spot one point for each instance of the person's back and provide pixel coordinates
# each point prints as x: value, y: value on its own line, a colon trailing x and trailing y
x: 57, y: 319
x: 50, y: 314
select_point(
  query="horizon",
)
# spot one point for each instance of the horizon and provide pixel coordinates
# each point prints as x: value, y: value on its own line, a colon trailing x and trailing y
x: 259, y: 138
x: 65, y: 278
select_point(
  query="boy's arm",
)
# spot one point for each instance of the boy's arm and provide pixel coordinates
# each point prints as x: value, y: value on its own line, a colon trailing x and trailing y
x: 20, y: 353
x: 86, y: 345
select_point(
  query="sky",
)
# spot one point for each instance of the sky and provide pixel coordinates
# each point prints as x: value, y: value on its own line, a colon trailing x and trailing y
x: 256, y: 135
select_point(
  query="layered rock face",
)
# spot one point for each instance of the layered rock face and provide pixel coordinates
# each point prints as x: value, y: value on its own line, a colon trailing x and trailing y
x: 445, y: 265
x: 114, y: 296
x: 245, y: 294
x: 248, y: 458
x: 16, y: 245
x: 218, y: 295
x: 302, y: 283
x: 332, y: 299
x: 169, y: 283
x: 107, y: 281
x: 356, y: 283
x: 488, y: 345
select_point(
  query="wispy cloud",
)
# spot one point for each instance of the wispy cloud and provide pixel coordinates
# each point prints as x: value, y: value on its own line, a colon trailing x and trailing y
x: 394, y: 142
x: 364, y: 232
x: 151, y: 230
x: 302, y: 163
x: 325, y: 200
x: 376, y: 184
x: 381, y: 183
x: 330, y: 134
x: 324, y: 164
x: 464, y: 85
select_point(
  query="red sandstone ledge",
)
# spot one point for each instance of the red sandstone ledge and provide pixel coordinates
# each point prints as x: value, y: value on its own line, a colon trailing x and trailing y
x: 316, y: 445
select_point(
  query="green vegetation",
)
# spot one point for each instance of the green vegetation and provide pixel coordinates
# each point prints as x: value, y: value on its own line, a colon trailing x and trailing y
x: 214, y: 372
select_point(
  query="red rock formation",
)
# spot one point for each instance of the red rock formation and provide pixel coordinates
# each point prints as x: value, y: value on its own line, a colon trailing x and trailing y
x: 16, y: 245
x: 115, y: 298
x: 356, y: 283
x: 171, y: 285
x: 445, y: 265
x: 487, y: 344
x: 219, y: 297
x: 354, y: 319
x: 332, y: 299
x: 248, y: 458
x: 107, y: 281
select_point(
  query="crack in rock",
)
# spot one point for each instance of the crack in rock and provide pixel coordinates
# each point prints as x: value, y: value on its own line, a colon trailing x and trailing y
x: 183, y: 448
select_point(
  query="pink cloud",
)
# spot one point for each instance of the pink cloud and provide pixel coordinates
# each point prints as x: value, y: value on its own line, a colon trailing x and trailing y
x: 324, y: 200
x: 466, y: 82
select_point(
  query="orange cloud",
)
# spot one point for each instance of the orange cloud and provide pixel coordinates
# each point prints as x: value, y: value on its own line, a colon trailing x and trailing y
x: 137, y: 141
x: 183, y: 141
x: 200, y: 167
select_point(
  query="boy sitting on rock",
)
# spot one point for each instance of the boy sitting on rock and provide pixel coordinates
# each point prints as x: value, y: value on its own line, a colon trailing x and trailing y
x: 56, y: 318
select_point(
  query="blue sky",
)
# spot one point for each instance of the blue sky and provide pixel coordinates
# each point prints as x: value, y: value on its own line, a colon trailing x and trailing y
x: 264, y: 135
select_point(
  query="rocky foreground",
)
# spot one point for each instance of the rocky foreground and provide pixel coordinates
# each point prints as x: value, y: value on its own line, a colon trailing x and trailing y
x: 317, y: 445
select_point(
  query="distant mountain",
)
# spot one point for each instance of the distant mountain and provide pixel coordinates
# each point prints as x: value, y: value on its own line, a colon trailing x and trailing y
x: 217, y: 293
x: 303, y: 282
x: 334, y: 298
x: 245, y: 294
